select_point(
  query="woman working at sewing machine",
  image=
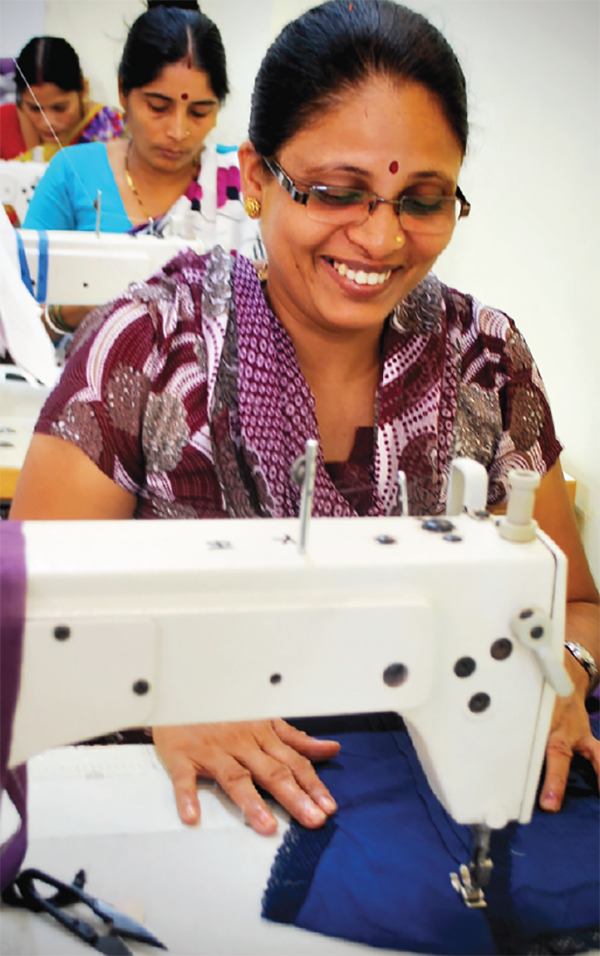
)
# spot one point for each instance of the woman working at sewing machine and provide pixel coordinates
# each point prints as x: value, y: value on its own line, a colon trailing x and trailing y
x: 193, y: 395
x: 163, y: 178
x: 52, y: 108
x: 172, y: 81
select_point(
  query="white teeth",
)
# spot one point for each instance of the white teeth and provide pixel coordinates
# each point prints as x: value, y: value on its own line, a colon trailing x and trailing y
x: 361, y: 277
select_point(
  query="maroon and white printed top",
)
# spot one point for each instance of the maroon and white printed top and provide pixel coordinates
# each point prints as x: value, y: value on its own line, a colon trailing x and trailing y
x: 186, y: 391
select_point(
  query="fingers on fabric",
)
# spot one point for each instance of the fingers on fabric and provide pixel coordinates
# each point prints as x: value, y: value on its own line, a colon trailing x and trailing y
x: 234, y: 754
x: 570, y: 734
x: 559, y: 754
x: 313, y: 749
x: 236, y: 781
x: 172, y: 744
x: 183, y: 778
x: 309, y: 747
x: 260, y: 754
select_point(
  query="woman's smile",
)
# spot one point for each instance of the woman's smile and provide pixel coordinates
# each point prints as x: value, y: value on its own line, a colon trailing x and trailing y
x: 358, y: 276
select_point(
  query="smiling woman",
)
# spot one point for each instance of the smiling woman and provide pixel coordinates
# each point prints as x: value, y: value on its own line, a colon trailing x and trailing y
x: 193, y: 395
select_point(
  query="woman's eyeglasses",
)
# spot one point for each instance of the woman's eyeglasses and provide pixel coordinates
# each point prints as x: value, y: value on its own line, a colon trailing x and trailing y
x: 339, y: 206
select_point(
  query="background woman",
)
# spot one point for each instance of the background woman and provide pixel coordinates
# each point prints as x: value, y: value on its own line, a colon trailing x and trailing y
x: 206, y: 395
x: 163, y: 178
x: 52, y: 104
x: 172, y: 81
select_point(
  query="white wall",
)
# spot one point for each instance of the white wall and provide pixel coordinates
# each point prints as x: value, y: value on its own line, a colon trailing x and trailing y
x: 19, y: 21
x: 531, y: 245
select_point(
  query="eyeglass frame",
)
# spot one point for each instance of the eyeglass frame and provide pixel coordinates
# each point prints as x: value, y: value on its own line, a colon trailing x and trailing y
x: 302, y: 197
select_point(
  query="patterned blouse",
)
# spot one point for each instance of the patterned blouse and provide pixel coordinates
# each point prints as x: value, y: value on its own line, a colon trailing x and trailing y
x: 186, y: 391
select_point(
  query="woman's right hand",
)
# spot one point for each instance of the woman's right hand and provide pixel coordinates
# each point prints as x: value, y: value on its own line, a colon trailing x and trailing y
x: 270, y: 752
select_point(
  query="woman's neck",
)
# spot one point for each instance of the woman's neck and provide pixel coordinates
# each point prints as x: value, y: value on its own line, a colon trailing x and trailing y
x: 147, y: 193
x: 342, y: 370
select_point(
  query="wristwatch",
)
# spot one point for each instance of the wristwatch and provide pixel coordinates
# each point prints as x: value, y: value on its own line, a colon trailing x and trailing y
x: 583, y: 657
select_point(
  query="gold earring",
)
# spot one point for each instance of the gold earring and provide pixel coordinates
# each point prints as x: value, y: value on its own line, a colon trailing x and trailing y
x: 187, y: 133
x: 400, y: 240
x: 252, y: 207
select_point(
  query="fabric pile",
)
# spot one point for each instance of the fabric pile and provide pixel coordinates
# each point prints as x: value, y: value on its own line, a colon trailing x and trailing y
x: 379, y: 872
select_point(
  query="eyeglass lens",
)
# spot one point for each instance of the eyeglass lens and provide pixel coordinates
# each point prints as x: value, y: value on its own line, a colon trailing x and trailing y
x: 427, y: 215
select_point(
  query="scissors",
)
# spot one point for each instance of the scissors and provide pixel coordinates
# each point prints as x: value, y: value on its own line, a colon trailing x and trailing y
x: 22, y: 892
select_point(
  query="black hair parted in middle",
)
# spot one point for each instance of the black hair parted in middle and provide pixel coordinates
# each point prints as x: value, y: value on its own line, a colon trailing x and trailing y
x: 168, y: 34
x: 335, y: 47
x: 49, y: 60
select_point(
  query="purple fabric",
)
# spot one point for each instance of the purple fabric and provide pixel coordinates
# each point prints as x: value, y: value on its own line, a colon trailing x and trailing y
x: 13, y: 584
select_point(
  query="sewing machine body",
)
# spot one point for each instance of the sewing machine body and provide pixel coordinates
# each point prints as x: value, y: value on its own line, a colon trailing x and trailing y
x: 17, y: 183
x: 89, y: 269
x: 184, y: 622
x: 21, y: 401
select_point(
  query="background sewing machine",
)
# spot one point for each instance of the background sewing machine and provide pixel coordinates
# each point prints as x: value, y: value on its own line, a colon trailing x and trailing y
x: 86, y: 268
x: 17, y: 185
x: 81, y: 269
x: 456, y: 623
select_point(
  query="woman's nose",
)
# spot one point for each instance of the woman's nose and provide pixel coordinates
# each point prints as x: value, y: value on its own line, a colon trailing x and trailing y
x: 381, y: 233
x: 178, y: 125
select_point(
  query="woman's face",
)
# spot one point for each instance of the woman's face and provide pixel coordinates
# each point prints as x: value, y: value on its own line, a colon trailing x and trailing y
x: 391, y: 139
x: 170, y: 118
x: 64, y: 111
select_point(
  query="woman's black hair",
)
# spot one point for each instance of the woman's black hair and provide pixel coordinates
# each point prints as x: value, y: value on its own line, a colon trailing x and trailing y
x: 48, y: 60
x: 334, y: 48
x: 182, y: 4
x: 167, y: 34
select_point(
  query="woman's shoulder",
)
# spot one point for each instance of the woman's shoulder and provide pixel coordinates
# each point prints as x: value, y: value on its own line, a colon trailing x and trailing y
x: 84, y: 152
x: 180, y: 297
x: 218, y: 264
x: 12, y: 143
x: 104, y: 124
x: 8, y: 111
x: 475, y: 316
x: 78, y: 158
x: 487, y: 337
x: 109, y: 111
x: 223, y: 151
x: 478, y: 333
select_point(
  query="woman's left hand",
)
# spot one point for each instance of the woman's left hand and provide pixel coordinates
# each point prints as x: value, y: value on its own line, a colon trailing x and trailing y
x: 570, y: 733
x: 570, y: 730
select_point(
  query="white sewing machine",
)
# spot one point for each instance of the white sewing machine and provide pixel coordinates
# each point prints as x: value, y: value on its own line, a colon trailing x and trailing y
x: 17, y: 183
x: 88, y: 268
x: 455, y: 623
x: 21, y: 400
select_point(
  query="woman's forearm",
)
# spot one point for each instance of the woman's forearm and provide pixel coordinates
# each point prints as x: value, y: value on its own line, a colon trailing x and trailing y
x: 60, y: 320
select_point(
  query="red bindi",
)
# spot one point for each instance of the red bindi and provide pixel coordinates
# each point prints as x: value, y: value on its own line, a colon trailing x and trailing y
x: 184, y: 96
x: 393, y: 166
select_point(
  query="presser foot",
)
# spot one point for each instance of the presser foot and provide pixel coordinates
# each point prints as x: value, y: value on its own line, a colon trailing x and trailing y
x: 473, y: 896
x: 475, y: 877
